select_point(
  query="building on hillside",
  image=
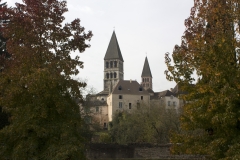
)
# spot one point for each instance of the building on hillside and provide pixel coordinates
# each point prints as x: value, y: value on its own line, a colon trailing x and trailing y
x: 95, y: 111
x: 166, y: 99
x: 119, y: 94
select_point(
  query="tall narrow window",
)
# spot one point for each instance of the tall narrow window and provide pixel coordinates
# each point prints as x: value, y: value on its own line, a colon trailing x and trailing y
x: 120, y: 105
x: 130, y: 106
x: 174, y: 104
x: 115, y: 64
x: 111, y: 64
x: 107, y: 75
x: 141, y: 97
x: 111, y: 75
x: 169, y: 103
x: 115, y: 75
x: 107, y: 64
x: 120, y: 96
x: 104, y: 125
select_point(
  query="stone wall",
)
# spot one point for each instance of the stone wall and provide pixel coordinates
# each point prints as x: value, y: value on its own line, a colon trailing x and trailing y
x: 141, y: 151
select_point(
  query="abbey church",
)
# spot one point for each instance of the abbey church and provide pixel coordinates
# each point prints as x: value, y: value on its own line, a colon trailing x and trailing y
x: 119, y: 94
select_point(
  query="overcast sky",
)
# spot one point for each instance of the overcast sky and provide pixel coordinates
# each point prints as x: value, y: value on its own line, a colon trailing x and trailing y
x: 151, y: 27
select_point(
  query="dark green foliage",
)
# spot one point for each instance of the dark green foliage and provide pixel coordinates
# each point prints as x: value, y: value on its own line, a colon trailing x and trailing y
x: 3, y: 119
x: 36, y: 85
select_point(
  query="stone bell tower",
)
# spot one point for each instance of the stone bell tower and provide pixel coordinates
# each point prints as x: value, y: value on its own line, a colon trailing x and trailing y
x: 146, y: 76
x: 113, y: 65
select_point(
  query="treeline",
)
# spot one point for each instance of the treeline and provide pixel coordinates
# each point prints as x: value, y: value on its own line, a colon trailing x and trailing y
x: 148, y: 124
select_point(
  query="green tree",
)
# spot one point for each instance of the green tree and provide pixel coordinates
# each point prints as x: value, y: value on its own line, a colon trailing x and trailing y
x: 148, y: 124
x: 37, y: 88
x: 209, y: 54
x: 3, y: 55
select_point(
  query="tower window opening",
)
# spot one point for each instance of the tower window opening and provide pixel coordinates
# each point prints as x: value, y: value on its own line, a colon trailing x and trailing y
x: 107, y: 75
x: 115, y: 63
x: 111, y: 64
x: 143, y: 79
x: 111, y: 75
x: 107, y: 64
x: 115, y: 75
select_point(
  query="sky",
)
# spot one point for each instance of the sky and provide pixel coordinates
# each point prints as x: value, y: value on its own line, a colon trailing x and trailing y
x: 143, y: 28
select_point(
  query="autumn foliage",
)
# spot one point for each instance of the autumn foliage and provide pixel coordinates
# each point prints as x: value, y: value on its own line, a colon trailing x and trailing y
x: 36, y: 84
x: 209, y: 58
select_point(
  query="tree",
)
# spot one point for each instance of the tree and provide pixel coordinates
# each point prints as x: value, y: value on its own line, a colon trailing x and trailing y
x: 209, y: 53
x: 148, y: 124
x: 3, y: 55
x: 37, y: 88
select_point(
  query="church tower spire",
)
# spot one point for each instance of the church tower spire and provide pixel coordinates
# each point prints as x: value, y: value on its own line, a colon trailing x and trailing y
x: 113, y: 64
x: 146, y: 76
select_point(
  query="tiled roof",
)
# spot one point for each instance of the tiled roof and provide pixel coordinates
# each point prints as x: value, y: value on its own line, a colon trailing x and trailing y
x: 146, y: 72
x: 113, y: 50
x: 165, y: 93
x: 129, y: 87
x: 104, y: 92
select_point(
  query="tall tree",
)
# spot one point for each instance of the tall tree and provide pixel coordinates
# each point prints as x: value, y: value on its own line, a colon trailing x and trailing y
x: 36, y: 85
x: 152, y: 125
x: 209, y: 54
x: 3, y: 55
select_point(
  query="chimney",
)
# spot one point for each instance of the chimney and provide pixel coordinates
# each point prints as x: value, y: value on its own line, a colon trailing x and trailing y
x: 130, y: 81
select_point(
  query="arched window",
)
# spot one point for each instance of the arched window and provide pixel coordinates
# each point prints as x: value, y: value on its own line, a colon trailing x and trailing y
x: 111, y: 64
x: 115, y: 75
x: 107, y: 64
x: 111, y: 75
x: 107, y: 75
x: 115, y: 64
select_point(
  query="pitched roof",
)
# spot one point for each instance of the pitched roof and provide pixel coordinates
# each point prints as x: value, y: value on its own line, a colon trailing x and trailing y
x: 166, y: 93
x: 113, y: 50
x: 146, y: 72
x: 129, y: 87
